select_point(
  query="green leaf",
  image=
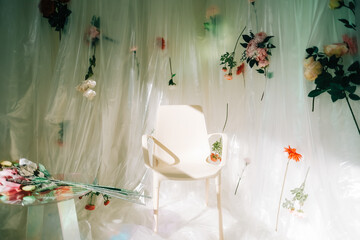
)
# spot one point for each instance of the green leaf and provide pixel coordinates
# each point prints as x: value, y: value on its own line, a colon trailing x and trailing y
x: 354, y: 97
x: 355, y: 66
x: 350, y: 89
x: 343, y: 20
x: 315, y: 93
x: 261, y: 45
x: 336, y: 86
x: 252, y: 35
x: 246, y: 38
x: 336, y: 95
x: 351, y: 5
x: 260, y: 70
x: 173, y: 75
x: 269, y: 45
x: 244, y: 45
x: 333, y: 62
x: 252, y: 62
x: 355, y: 78
x: 323, y: 80
x: 310, y: 51
x: 267, y: 38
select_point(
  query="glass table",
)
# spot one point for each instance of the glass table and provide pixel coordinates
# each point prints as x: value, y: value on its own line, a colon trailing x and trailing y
x: 49, y: 213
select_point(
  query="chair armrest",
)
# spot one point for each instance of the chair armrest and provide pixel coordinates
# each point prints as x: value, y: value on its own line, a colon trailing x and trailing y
x: 161, y: 145
x: 224, y: 141
x: 145, y: 148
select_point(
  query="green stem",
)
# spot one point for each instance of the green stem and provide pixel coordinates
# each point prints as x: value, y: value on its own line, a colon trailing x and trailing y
x: 282, y: 190
x: 237, y: 41
x: 256, y: 18
x: 352, y: 113
x: 265, y: 74
x: 170, y: 67
x: 227, y: 113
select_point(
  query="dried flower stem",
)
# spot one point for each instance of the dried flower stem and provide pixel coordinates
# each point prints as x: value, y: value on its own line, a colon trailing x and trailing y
x: 227, y: 114
x: 240, y: 178
x: 352, y: 113
x: 282, y: 190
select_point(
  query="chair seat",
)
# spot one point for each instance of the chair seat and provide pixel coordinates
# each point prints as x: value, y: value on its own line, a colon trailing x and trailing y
x: 188, y: 170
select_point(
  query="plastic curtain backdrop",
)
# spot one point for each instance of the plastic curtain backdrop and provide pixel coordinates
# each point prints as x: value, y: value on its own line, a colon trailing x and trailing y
x: 44, y: 118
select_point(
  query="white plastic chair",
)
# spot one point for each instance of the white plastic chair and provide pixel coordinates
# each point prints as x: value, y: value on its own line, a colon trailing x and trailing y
x: 180, y: 151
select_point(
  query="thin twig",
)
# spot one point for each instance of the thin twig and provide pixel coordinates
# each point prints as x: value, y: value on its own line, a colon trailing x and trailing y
x: 240, y: 178
x: 282, y: 190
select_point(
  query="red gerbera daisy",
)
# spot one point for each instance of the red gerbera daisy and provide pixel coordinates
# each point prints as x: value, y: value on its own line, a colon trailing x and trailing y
x: 293, y: 154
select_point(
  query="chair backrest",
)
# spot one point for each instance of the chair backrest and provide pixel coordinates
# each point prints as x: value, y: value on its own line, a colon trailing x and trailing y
x: 182, y: 129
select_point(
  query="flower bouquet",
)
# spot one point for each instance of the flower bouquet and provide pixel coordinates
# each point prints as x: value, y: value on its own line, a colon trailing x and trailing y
x: 25, y: 183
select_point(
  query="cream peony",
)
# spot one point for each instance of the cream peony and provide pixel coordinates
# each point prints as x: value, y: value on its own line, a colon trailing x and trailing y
x: 312, y: 69
x: 337, y: 49
x: 89, y: 94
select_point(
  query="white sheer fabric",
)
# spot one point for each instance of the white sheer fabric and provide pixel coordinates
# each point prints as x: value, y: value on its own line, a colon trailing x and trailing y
x: 102, y: 138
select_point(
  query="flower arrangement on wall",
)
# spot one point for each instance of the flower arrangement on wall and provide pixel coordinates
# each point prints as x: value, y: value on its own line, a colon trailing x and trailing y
x: 257, y: 53
x: 329, y: 74
x: 57, y: 13
x: 228, y: 60
x: 92, y: 38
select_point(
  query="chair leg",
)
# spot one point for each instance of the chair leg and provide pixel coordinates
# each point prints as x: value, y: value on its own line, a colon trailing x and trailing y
x: 218, y: 195
x: 156, y: 187
x: 207, y: 192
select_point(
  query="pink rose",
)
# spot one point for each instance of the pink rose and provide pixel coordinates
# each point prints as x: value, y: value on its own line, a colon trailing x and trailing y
x: 337, y: 49
x: 261, y: 54
x: 251, y: 48
x: 263, y: 63
x: 259, y: 37
x: 351, y: 44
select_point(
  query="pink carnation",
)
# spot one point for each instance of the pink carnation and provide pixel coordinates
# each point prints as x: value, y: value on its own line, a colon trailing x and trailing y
x: 351, y: 44
x: 260, y: 37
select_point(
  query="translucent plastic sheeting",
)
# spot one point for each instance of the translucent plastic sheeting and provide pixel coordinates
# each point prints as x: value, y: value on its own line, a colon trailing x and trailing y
x: 101, y: 138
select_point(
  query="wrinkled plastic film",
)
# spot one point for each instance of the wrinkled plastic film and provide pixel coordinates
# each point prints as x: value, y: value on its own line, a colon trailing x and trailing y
x: 102, y: 137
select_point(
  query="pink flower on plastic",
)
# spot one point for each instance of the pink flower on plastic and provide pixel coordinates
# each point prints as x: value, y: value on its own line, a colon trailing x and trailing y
x: 260, y: 37
x: 251, y: 48
x: 8, y: 187
x: 93, y: 32
x: 351, y: 44
x: 263, y: 63
x: 261, y: 54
